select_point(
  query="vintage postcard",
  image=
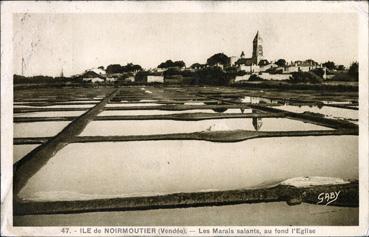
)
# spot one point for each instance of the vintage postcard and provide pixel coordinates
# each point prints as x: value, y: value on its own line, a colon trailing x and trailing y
x: 184, y: 118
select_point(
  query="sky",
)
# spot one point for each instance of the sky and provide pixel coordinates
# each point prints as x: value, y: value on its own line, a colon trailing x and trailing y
x: 74, y: 42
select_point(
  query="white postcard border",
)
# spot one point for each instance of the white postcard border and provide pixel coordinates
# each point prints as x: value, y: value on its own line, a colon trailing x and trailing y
x: 8, y: 8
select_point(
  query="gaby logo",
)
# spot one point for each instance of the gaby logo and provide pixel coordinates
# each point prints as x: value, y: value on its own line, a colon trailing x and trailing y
x: 328, y: 197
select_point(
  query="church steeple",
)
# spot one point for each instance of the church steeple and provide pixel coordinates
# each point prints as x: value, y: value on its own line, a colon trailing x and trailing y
x: 257, y: 49
x: 256, y: 36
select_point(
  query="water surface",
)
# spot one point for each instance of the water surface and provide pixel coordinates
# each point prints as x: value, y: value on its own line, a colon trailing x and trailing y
x: 50, y: 114
x: 66, y: 102
x: 330, y: 112
x: 152, y: 112
x: 57, y: 106
x: 38, y: 129
x: 146, y: 127
x: 19, y: 151
x: 100, y: 170
x: 131, y: 104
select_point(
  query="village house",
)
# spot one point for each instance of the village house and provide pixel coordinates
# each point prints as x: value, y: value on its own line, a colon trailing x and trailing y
x: 130, y: 79
x: 154, y: 78
x: 251, y: 65
x: 92, y: 77
x: 98, y: 71
x: 303, y: 66
x: 266, y: 70
x: 197, y: 66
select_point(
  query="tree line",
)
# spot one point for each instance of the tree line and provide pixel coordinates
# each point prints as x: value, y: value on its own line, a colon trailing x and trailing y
x: 210, y: 73
x: 117, y: 68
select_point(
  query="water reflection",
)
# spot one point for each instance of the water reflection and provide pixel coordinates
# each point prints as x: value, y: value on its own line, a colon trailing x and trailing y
x: 257, y: 123
x: 220, y: 110
x: 258, y: 100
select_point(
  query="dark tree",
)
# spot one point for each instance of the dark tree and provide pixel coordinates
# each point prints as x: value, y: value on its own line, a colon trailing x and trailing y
x: 130, y: 67
x: 141, y: 76
x: 330, y: 65
x: 354, y: 70
x: 169, y: 63
x: 281, y: 62
x: 220, y: 58
x: 340, y: 67
x: 166, y: 64
x: 136, y: 67
x: 255, y: 77
x: 263, y: 62
x: 212, y: 76
x: 196, y: 66
x: 318, y: 71
x: 172, y: 71
x: 114, y: 68
x: 179, y: 64
x: 311, y: 62
x: 305, y: 77
x: 231, y: 69
x: 101, y: 67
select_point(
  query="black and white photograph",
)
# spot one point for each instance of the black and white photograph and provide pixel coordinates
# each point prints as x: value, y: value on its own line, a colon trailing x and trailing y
x: 202, y: 118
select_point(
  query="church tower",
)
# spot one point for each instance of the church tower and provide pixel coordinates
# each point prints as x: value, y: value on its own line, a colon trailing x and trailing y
x: 257, y: 49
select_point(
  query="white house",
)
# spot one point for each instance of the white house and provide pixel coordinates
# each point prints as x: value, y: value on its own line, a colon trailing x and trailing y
x: 242, y: 78
x: 250, y: 68
x: 303, y: 66
x: 152, y: 78
x: 130, y: 79
x: 275, y: 77
x: 91, y: 76
x: 111, y: 79
x: 93, y: 80
x: 98, y: 71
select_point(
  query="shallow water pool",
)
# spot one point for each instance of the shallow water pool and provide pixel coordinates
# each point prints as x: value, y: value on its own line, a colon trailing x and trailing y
x: 152, y: 112
x: 57, y: 106
x: 145, y: 127
x: 66, y: 102
x: 101, y: 170
x: 330, y: 112
x: 131, y: 104
x: 38, y: 129
x: 19, y: 151
x: 50, y: 114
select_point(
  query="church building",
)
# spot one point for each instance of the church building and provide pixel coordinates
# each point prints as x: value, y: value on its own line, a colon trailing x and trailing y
x: 252, y: 64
